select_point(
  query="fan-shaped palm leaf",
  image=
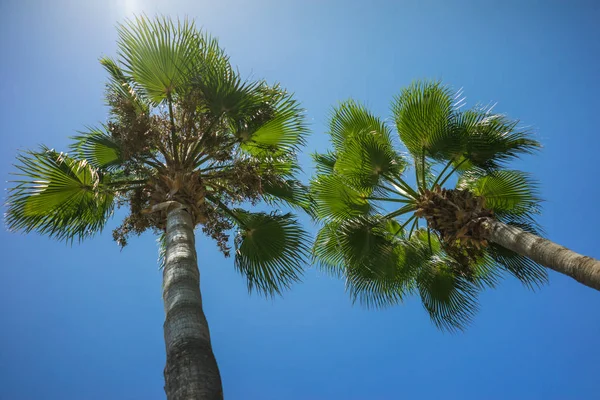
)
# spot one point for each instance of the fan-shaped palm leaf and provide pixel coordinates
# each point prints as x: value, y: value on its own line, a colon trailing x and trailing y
x: 270, y: 250
x: 377, y: 268
x: 98, y: 148
x: 327, y: 252
x: 160, y: 55
x: 422, y: 113
x: 123, y: 87
x: 450, y: 299
x: 285, y: 130
x: 489, y: 140
x: 351, y: 118
x: 58, y: 196
x: 366, y: 158
x: 512, y: 195
x: 335, y: 199
x: 290, y: 191
x: 324, y: 162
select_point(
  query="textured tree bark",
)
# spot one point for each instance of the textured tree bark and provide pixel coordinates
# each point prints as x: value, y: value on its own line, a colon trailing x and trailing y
x: 191, y: 372
x: 549, y: 254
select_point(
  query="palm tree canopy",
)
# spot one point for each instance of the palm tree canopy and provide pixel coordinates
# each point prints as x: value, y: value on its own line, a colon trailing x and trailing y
x: 370, y: 208
x: 184, y: 130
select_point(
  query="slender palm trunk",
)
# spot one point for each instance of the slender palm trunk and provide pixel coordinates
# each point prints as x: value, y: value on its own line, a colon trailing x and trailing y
x: 549, y: 254
x: 191, y: 372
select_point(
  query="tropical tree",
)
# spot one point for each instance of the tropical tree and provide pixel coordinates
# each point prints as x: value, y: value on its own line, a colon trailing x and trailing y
x: 461, y: 223
x: 188, y: 144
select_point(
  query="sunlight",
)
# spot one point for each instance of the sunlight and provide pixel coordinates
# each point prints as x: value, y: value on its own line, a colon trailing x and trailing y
x: 127, y: 8
x: 131, y: 6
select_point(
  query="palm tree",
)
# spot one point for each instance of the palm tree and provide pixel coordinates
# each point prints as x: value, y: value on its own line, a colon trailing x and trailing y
x: 188, y: 144
x: 479, y: 216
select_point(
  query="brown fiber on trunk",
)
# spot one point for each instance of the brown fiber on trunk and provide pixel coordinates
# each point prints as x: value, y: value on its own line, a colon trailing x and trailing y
x: 452, y: 213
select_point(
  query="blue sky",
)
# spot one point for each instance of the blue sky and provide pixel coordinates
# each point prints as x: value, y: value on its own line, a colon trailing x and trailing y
x: 85, y: 323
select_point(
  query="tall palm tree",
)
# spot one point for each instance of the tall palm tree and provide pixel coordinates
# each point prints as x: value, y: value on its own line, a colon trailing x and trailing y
x: 188, y: 144
x: 465, y: 222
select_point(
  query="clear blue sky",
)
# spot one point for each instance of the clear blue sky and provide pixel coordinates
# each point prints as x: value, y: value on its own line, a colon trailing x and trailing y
x: 85, y: 323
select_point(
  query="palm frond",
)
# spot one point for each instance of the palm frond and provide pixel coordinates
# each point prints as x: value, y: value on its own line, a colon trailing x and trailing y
x: 159, y: 54
x: 424, y: 173
x: 327, y: 252
x: 270, y: 250
x: 290, y: 191
x: 58, y: 196
x: 284, y: 130
x: 223, y: 90
x: 336, y: 199
x: 324, y: 162
x: 365, y: 158
x: 98, y: 148
x: 123, y: 87
x: 379, y: 268
x: 512, y: 195
x: 450, y: 299
x: 490, y: 140
x: 350, y: 119
x: 423, y: 112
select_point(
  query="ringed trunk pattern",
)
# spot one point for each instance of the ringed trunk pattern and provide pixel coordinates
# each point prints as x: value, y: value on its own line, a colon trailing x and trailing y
x: 583, y: 269
x: 191, y: 371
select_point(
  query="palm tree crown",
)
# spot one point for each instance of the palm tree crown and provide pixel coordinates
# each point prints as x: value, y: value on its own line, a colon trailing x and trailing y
x: 371, y: 232
x: 185, y: 130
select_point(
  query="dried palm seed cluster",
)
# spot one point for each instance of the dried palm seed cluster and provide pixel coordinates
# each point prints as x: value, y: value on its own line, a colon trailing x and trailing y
x: 454, y: 214
x: 201, y: 168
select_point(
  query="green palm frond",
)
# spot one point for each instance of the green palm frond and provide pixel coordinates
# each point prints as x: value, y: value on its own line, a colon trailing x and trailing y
x: 378, y: 262
x: 159, y: 54
x: 490, y: 140
x: 270, y: 250
x: 367, y: 241
x: 123, y: 87
x: 223, y: 90
x: 335, y: 199
x: 379, y: 267
x: 327, y: 252
x: 98, y: 148
x: 508, y: 191
x: 58, y: 196
x: 350, y: 119
x: 512, y: 195
x: 324, y: 162
x: 423, y: 112
x: 283, y: 130
x: 364, y: 159
x: 290, y: 191
x: 450, y: 299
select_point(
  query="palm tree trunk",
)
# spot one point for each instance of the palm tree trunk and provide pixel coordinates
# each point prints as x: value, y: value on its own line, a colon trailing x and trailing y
x: 549, y: 254
x: 191, y: 371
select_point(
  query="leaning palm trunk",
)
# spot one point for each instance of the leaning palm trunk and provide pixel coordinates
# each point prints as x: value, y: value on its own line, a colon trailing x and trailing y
x: 191, y: 371
x: 549, y: 254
